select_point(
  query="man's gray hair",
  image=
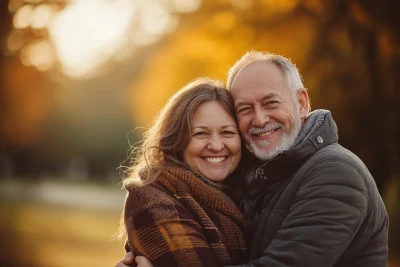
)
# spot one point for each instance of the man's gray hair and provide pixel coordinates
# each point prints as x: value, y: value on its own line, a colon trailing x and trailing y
x: 289, y: 69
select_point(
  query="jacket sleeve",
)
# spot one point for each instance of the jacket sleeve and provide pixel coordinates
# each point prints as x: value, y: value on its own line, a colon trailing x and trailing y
x: 328, y: 209
x: 164, y: 231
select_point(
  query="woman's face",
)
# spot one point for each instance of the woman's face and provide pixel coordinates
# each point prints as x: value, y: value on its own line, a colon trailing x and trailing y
x: 214, y: 149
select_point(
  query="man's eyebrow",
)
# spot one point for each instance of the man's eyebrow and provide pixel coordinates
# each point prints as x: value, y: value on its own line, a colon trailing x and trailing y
x: 271, y: 95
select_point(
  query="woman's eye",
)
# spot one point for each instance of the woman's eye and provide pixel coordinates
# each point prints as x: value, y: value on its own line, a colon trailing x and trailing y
x: 228, y: 133
x: 200, y: 134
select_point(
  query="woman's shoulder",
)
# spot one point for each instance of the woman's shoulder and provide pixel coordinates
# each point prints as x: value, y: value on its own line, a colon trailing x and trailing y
x: 153, y: 203
x: 151, y: 193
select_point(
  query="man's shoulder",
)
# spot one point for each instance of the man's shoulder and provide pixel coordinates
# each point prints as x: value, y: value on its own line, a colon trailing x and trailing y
x: 336, y: 154
x: 335, y: 164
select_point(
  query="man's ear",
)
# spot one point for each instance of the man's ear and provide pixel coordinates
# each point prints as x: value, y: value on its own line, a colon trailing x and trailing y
x: 303, y: 100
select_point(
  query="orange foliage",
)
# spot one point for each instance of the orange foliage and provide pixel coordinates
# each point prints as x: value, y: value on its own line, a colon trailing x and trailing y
x: 27, y: 104
x: 209, y: 50
x: 190, y: 54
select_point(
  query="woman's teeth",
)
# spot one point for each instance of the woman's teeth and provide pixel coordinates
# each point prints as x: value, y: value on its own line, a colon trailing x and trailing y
x: 215, y: 159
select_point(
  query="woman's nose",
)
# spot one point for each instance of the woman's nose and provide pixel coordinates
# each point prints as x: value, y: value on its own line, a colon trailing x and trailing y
x: 215, y: 144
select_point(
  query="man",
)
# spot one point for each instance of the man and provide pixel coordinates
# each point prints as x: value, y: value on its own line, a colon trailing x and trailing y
x: 311, y: 201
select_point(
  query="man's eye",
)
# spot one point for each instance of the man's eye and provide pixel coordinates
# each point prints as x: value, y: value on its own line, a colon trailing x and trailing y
x: 243, y: 110
x: 271, y: 104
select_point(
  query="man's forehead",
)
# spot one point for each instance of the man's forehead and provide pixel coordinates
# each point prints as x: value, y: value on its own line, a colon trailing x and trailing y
x: 260, y: 78
x: 258, y: 72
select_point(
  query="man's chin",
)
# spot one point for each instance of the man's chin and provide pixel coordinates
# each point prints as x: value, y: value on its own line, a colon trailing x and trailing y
x: 264, y: 153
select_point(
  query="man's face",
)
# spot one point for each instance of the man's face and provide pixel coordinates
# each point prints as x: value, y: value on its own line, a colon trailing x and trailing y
x: 269, y: 113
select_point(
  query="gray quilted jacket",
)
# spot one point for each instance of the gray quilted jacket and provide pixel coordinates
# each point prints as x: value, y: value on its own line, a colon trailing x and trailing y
x: 315, y: 205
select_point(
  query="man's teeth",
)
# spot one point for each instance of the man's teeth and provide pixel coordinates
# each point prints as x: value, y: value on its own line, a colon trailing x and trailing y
x: 266, y: 133
x: 215, y: 159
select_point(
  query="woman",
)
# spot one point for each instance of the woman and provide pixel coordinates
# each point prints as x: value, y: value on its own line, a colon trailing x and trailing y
x: 175, y: 212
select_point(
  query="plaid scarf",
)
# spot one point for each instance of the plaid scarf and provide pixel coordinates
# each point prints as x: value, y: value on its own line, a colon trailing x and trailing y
x: 181, y: 221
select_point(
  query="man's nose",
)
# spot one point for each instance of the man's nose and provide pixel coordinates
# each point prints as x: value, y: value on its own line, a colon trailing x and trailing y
x: 260, y: 118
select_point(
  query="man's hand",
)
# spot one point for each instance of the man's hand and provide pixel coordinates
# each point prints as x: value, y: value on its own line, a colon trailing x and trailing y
x: 140, y: 261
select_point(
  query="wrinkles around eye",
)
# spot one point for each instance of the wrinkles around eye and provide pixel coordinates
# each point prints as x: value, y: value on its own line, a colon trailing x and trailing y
x: 200, y: 134
x: 243, y: 111
x: 229, y: 133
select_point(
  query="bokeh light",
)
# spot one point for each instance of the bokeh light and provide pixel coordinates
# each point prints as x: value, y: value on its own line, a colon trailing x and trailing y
x: 38, y: 54
x: 23, y: 17
x: 80, y: 80
x: 41, y: 16
x: 86, y: 33
x: 155, y: 17
x: 185, y: 6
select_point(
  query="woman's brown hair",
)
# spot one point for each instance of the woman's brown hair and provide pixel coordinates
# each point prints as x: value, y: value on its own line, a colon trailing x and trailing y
x: 163, y: 144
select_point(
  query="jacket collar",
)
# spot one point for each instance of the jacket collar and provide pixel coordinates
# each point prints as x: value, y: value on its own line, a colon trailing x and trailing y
x: 286, y: 163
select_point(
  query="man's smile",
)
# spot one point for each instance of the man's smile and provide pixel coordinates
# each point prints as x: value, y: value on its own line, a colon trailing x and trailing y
x: 261, y: 134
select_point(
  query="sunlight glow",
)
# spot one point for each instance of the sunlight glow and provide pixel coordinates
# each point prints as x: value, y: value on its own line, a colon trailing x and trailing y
x: 173, y: 24
x: 142, y: 38
x: 155, y: 18
x: 39, y: 54
x: 87, y: 33
x: 23, y: 17
x: 41, y: 16
x: 186, y: 6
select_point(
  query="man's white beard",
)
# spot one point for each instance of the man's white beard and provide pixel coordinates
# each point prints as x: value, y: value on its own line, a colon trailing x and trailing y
x: 286, y: 142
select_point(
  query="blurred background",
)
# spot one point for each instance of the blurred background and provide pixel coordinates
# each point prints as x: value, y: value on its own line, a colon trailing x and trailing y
x: 81, y: 79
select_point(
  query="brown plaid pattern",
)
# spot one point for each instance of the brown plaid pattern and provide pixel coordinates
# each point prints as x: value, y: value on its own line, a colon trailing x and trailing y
x: 181, y: 221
